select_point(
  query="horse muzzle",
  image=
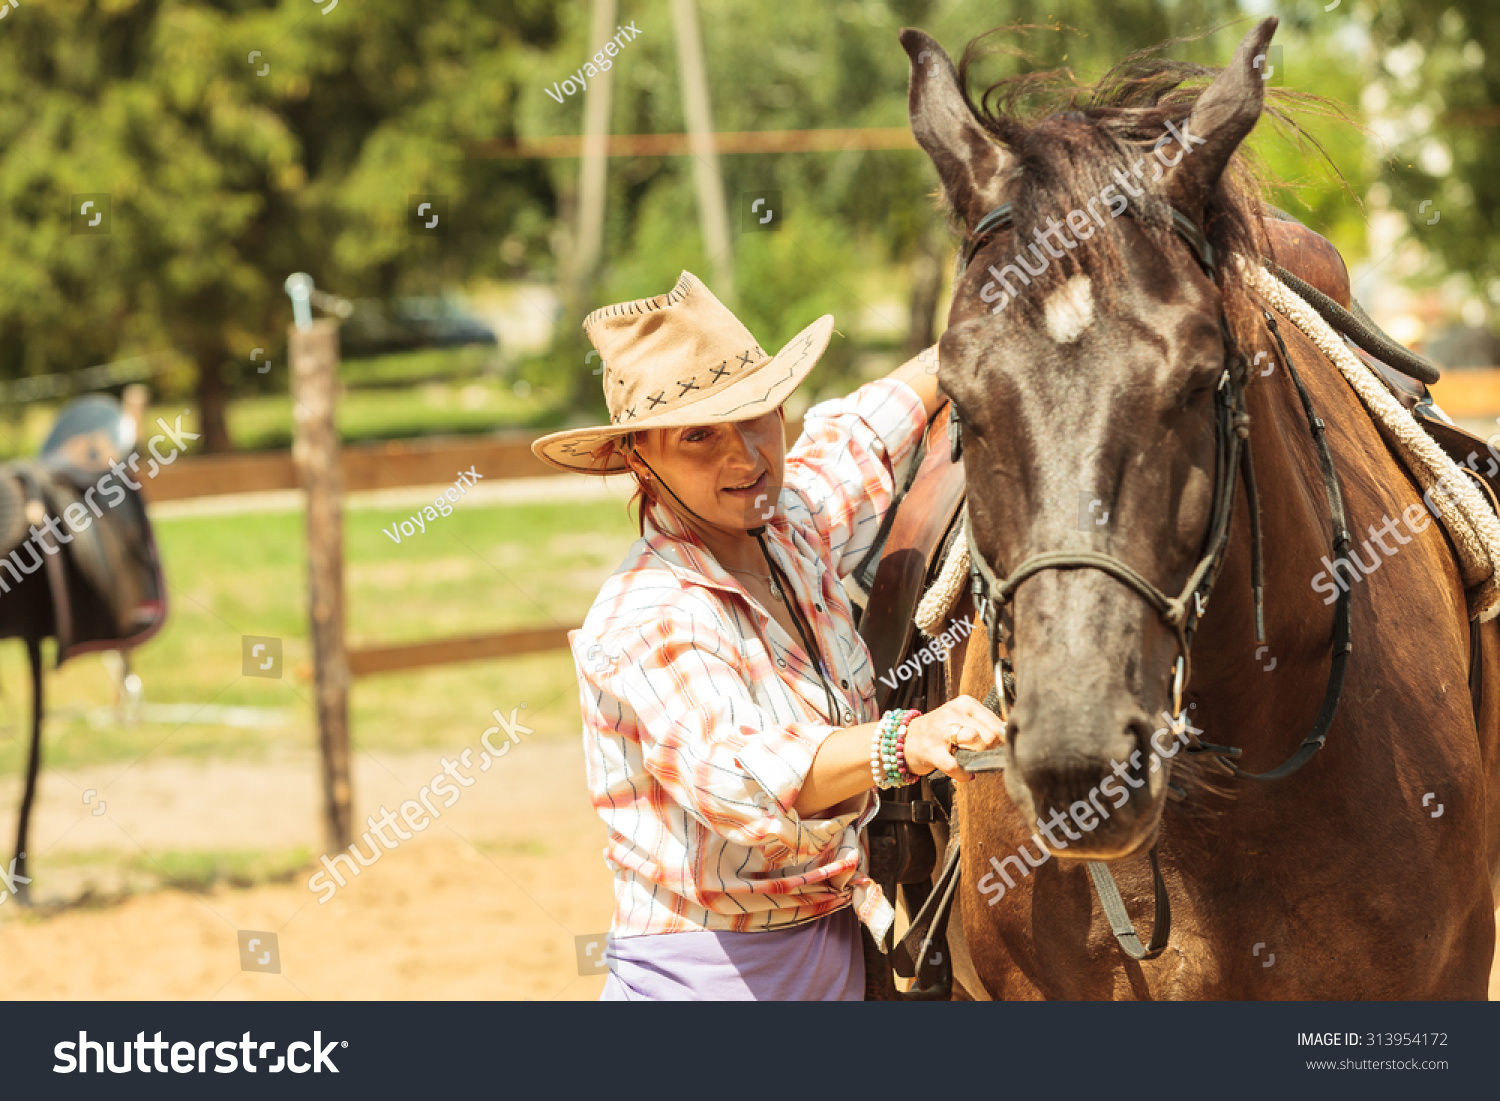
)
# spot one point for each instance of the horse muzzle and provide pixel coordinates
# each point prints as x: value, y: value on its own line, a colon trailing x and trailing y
x: 1089, y: 776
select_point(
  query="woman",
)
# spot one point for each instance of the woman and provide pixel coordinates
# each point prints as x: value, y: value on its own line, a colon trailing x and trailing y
x: 730, y: 731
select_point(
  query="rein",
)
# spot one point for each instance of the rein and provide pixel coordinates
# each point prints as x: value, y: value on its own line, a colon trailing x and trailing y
x: 1181, y: 613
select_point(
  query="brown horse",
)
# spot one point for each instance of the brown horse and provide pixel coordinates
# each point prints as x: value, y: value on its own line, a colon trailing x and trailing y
x: 1087, y: 396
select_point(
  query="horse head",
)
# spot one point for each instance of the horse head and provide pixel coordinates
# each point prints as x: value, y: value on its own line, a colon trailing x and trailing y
x: 1084, y: 356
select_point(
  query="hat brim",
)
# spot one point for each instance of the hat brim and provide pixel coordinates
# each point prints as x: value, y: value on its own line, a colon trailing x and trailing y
x: 758, y: 391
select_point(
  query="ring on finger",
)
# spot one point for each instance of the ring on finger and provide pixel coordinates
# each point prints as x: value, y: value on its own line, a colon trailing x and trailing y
x: 953, y: 732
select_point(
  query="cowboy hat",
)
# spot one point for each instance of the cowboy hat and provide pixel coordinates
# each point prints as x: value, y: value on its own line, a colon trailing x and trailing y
x: 678, y: 359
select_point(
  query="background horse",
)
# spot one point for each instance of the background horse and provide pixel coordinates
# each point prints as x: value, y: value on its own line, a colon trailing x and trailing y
x: 1096, y: 379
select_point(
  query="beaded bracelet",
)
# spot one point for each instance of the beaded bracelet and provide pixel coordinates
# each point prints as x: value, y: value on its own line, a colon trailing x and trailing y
x: 888, y: 751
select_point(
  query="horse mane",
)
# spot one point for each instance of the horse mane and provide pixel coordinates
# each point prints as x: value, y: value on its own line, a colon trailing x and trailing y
x: 1067, y: 138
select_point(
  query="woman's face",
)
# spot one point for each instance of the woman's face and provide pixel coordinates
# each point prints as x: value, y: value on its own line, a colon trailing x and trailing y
x: 729, y: 474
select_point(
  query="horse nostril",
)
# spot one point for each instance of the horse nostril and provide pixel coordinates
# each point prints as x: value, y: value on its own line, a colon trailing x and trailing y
x: 1138, y: 734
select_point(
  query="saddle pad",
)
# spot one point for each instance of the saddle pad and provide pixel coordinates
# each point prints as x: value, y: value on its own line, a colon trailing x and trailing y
x: 1471, y: 525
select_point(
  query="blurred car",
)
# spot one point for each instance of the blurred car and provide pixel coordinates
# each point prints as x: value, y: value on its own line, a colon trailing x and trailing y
x: 377, y: 327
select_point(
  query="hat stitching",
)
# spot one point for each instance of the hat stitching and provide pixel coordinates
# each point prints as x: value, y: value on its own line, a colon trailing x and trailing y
x: 639, y: 305
x: 720, y: 372
x: 587, y: 446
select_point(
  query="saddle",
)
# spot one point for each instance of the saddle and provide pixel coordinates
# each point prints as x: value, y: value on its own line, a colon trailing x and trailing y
x: 903, y: 845
x: 1313, y: 268
x: 68, y: 517
x: 78, y: 562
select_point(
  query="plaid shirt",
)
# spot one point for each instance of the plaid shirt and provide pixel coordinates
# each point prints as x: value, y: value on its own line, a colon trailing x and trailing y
x: 701, y: 716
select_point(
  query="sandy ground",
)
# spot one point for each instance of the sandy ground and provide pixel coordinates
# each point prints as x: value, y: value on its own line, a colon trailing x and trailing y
x: 488, y: 902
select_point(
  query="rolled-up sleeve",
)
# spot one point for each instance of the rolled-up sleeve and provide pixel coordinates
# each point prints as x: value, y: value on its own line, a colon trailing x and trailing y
x: 844, y: 463
x: 720, y: 756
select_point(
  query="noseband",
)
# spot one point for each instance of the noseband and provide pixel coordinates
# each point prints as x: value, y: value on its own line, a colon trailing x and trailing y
x: 1182, y: 612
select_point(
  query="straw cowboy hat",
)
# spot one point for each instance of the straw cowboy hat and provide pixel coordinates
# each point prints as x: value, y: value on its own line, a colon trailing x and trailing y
x: 679, y: 359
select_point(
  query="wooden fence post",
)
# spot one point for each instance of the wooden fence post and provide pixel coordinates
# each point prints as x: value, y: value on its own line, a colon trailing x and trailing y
x: 314, y: 353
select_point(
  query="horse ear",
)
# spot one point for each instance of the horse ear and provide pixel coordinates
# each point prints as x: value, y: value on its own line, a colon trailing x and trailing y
x: 970, y: 164
x: 1224, y: 115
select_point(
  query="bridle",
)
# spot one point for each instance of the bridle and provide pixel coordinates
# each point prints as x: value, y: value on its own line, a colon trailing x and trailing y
x: 1181, y: 613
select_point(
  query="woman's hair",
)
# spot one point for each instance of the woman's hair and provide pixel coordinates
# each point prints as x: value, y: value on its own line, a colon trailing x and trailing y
x: 645, y: 491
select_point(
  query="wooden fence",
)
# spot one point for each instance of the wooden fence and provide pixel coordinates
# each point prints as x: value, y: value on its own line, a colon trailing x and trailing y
x: 387, y: 465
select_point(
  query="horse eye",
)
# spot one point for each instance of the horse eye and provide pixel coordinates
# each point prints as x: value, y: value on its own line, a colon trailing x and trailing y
x: 1203, y: 386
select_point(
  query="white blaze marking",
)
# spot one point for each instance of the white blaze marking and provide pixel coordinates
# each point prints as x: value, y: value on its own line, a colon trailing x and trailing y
x: 1070, y: 309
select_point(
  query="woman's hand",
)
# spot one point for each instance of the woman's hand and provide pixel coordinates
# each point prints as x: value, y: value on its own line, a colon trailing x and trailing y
x: 930, y: 737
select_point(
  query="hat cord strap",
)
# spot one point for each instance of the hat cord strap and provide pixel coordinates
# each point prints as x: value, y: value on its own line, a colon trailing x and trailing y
x: 669, y: 489
x: 804, y: 631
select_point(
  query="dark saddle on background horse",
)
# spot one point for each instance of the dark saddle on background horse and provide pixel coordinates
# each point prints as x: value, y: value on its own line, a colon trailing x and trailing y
x: 78, y: 562
x: 77, y: 558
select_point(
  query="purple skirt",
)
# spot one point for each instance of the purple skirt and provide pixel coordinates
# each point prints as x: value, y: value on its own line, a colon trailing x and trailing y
x: 820, y: 961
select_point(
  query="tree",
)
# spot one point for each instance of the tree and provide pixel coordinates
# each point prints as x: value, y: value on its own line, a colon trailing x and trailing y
x: 850, y: 216
x: 228, y: 144
x: 1438, y: 74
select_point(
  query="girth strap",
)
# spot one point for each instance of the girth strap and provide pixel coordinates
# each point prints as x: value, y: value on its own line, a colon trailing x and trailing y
x: 931, y: 922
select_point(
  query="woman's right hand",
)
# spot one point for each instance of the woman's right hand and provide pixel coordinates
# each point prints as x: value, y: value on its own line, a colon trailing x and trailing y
x: 929, y: 737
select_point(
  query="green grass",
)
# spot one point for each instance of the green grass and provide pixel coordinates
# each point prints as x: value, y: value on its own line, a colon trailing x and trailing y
x: 435, y: 408
x: 203, y: 870
x: 481, y: 569
x: 428, y: 365
x: 105, y: 877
